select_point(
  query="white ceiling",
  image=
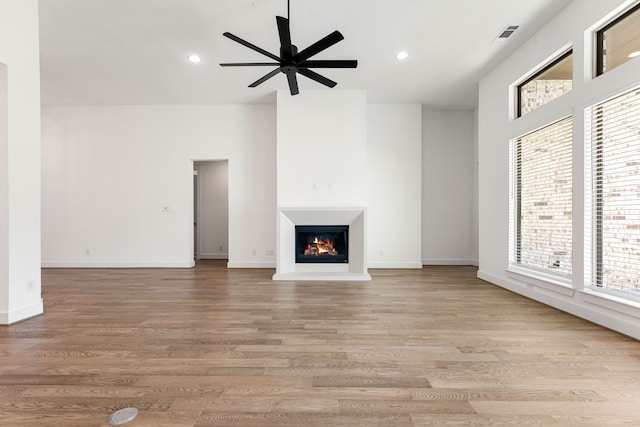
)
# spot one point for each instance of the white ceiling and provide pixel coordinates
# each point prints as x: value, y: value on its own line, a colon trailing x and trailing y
x: 134, y: 51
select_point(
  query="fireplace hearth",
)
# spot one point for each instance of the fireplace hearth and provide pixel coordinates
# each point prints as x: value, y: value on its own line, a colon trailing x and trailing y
x: 322, y: 244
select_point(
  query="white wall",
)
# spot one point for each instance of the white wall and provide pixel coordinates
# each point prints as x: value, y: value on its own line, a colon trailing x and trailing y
x: 213, y: 209
x: 321, y: 157
x: 475, y: 225
x: 322, y: 137
x: 496, y: 128
x: 335, y: 150
x: 448, y: 179
x: 394, y: 186
x: 4, y: 191
x: 19, y: 161
x: 108, y: 172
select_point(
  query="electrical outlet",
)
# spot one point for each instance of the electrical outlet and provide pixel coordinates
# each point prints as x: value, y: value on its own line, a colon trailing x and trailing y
x: 253, y: 252
x: 166, y: 209
x: 87, y: 251
x: 30, y: 285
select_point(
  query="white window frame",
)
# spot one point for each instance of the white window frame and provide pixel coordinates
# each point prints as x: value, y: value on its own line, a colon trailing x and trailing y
x: 590, y: 209
x: 514, y: 265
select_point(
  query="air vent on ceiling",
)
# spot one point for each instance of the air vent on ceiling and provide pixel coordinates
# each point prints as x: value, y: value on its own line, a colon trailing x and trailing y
x: 507, y: 32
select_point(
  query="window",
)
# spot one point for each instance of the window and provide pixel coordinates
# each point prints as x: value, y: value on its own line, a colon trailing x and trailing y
x: 552, y: 81
x: 619, y: 41
x: 612, y: 242
x: 541, y: 204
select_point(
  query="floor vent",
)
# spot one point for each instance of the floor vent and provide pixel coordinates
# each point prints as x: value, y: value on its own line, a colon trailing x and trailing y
x: 123, y: 416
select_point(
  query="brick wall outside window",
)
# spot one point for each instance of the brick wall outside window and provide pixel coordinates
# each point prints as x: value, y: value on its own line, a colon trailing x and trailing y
x: 543, y: 169
x: 616, y: 195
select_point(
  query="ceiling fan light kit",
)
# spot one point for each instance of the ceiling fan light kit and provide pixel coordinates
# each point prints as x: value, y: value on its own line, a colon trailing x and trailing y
x: 292, y: 62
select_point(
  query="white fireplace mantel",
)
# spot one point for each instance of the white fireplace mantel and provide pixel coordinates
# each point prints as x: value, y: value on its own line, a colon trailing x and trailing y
x: 289, y: 217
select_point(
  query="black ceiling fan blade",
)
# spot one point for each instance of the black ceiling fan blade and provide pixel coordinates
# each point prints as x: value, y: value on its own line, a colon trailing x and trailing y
x: 286, y: 50
x: 251, y: 46
x: 248, y: 64
x: 318, y: 46
x: 292, y: 79
x: 265, y: 77
x: 317, y: 77
x: 346, y: 63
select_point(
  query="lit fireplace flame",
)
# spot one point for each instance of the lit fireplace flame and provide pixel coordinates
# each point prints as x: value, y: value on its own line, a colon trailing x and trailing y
x: 320, y: 247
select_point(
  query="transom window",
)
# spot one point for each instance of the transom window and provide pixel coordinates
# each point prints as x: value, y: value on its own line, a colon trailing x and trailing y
x: 619, y: 41
x: 549, y: 83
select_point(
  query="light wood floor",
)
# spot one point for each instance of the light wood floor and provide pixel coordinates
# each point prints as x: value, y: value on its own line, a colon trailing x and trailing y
x: 215, y: 347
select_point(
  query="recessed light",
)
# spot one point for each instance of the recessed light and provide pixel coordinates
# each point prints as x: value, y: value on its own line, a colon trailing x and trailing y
x: 194, y: 58
x: 402, y: 55
x: 634, y: 54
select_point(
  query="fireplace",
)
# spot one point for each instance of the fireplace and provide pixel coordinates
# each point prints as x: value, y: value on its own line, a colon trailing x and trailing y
x: 322, y: 244
x: 349, y: 225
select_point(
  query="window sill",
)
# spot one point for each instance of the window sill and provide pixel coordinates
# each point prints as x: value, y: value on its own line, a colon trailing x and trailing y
x: 541, y: 280
x: 611, y: 302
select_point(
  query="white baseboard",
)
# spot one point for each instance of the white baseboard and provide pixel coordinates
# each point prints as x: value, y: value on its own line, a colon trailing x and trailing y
x: 449, y: 262
x: 23, y: 313
x: 213, y: 256
x: 255, y: 264
x: 398, y: 265
x: 118, y: 264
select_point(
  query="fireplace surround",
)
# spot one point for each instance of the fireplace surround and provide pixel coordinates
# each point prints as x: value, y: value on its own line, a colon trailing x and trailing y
x: 331, y: 217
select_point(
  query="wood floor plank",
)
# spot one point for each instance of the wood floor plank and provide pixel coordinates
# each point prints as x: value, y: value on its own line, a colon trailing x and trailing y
x: 369, y: 381
x: 210, y: 346
x: 613, y: 410
x: 298, y: 419
x: 406, y: 407
x: 427, y: 420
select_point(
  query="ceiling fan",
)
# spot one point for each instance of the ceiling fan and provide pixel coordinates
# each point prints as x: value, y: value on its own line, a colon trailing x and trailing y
x: 292, y: 62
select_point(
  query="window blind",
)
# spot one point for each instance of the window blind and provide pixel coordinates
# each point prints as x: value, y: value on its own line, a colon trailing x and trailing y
x: 613, y: 196
x: 542, y: 199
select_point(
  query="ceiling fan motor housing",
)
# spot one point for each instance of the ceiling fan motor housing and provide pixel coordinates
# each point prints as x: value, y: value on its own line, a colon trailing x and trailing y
x: 294, y: 51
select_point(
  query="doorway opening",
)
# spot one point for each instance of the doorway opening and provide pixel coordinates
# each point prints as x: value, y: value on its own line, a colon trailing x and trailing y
x: 211, y: 209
